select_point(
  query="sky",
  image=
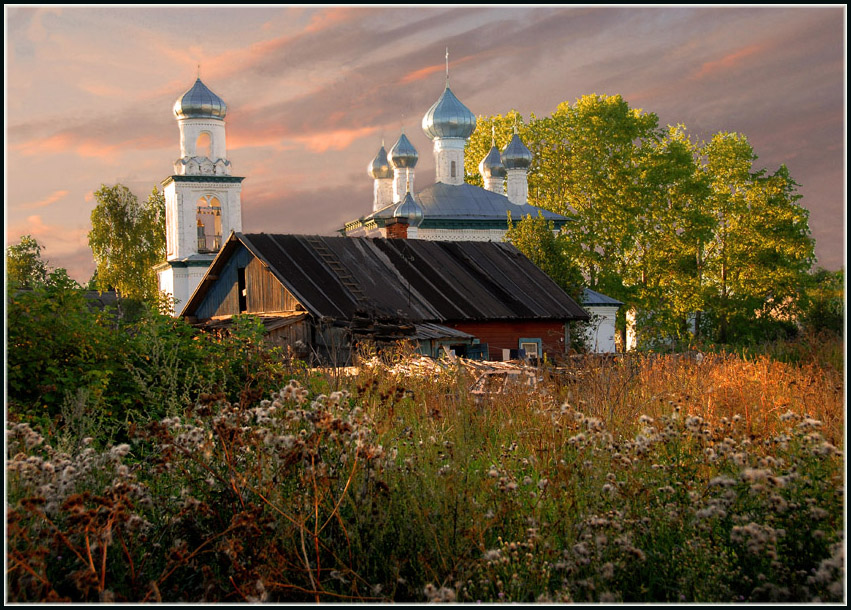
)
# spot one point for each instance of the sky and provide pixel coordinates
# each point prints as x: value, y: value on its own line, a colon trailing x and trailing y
x: 312, y: 91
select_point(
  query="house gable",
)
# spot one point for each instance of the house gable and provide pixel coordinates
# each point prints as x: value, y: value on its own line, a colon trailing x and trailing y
x: 264, y: 293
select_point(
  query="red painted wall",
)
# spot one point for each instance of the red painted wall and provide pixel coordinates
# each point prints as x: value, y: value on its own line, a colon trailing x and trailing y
x: 506, y: 335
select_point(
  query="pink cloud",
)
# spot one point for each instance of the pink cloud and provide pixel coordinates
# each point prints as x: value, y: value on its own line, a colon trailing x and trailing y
x: 330, y: 17
x: 421, y: 73
x: 429, y: 70
x: 68, y: 143
x: 727, y: 62
x: 334, y: 140
x: 43, y: 203
x: 57, y: 240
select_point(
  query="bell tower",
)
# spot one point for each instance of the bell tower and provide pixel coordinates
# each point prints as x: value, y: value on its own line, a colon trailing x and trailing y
x: 202, y: 198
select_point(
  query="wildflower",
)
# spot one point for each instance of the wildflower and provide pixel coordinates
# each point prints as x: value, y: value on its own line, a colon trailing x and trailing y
x: 493, y: 473
x: 119, y: 451
x: 435, y: 595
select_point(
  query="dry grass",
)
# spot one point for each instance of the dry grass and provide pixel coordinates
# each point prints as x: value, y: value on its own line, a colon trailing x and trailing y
x: 714, y: 386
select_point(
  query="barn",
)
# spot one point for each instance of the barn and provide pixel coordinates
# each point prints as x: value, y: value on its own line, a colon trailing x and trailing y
x: 322, y: 296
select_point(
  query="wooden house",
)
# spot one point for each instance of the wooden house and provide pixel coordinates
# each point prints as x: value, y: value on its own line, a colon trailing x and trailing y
x: 321, y: 296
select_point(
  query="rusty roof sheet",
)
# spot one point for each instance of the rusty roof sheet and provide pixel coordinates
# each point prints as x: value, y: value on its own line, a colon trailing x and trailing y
x: 400, y: 279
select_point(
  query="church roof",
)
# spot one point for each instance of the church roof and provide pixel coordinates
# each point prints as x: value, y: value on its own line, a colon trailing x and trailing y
x: 200, y: 103
x: 410, y: 210
x: 516, y: 155
x: 492, y: 165
x: 449, y: 118
x: 380, y: 168
x: 442, y: 202
x: 403, y: 153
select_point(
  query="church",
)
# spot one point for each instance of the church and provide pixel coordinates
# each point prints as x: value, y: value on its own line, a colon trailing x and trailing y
x: 202, y: 198
x: 448, y: 209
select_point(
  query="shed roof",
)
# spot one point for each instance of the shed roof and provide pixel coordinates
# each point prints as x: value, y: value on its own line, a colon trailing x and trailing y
x: 592, y: 297
x: 402, y: 279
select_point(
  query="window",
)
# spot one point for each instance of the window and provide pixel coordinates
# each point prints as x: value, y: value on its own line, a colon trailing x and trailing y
x: 452, y: 169
x: 531, y: 346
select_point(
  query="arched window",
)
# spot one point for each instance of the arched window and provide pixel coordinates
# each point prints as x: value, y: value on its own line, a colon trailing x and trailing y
x: 209, y: 216
x: 452, y: 169
x: 203, y: 145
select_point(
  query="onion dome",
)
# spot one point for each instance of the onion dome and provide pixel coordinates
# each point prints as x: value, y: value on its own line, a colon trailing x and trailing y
x: 449, y: 118
x: 403, y: 153
x: 200, y: 103
x: 409, y: 210
x: 380, y: 166
x: 516, y: 155
x: 492, y: 165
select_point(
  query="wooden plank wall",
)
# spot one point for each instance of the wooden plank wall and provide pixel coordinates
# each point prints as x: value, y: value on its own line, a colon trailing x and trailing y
x: 265, y: 293
x: 501, y: 335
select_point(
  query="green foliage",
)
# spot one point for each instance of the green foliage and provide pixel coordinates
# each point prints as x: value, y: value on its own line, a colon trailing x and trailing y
x: 824, y: 306
x: 121, y: 365
x: 761, y: 248
x: 536, y: 238
x: 128, y: 240
x: 24, y: 265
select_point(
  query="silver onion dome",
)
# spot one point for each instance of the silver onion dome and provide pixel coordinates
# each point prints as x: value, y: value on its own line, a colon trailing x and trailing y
x: 492, y: 165
x: 449, y: 118
x: 380, y: 166
x: 200, y: 103
x: 403, y: 153
x: 516, y: 155
x: 410, y: 210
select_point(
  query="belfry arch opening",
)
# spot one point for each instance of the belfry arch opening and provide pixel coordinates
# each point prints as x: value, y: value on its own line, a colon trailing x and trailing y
x: 209, y: 224
x: 204, y: 145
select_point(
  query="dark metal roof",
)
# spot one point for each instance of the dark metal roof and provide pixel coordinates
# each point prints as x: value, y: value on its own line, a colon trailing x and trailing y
x: 398, y: 279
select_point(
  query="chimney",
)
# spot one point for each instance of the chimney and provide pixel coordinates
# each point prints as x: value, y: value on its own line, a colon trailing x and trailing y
x: 396, y: 228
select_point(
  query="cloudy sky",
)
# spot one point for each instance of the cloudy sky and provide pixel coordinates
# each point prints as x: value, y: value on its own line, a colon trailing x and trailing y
x: 312, y: 91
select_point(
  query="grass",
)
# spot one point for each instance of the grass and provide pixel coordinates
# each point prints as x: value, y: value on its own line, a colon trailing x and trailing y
x: 646, y: 478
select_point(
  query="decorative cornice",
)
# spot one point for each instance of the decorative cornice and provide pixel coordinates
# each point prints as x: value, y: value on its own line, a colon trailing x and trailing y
x: 203, y: 178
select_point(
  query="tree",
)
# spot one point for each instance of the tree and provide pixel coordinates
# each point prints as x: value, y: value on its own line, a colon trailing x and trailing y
x: 128, y: 239
x: 24, y: 265
x: 26, y: 269
x: 824, y: 305
x: 663, y: 273
x: 537, y: 240
x: 761, y: 249
x: 691, y: 236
